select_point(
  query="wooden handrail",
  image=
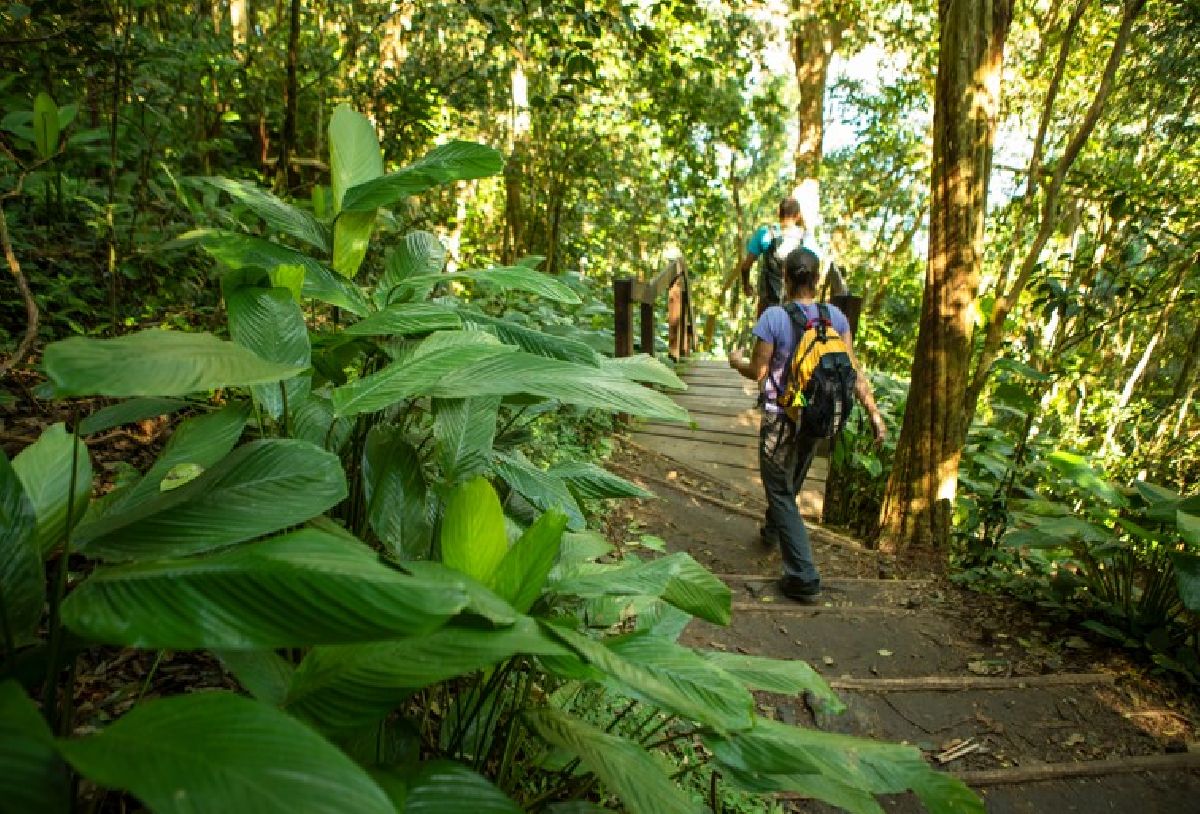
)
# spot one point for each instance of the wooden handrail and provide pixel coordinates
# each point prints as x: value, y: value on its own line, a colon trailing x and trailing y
x: 671, y: 280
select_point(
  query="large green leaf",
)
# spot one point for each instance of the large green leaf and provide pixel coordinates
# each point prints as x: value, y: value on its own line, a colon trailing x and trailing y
x: 505, y: 278
x: 201, y: 441
x: 667, y: 675
x: 520, y: 372
x: 463, y: 431
x: 624, y: 767
x: 544, y: 490
x: 313, y: 421
x: 586, y: 480
x: 355, y: 158
x: 44, y: 468
x: 676, y: 578
x: 22, y: 582
x: 407, y: 318
x: 354, y: 154
x: 1189, y: 527
x: 643, y: 368
x: 1080, y: 472
x: 155, y: 363
x: 395, y: 489
x: 791, y: 758
x: 127, y: 412
x: 351, y: 239
x: 259, y: 488
x: 263, y: 672
x: 441, y: 786
x: 414, y: 376
x: 33, y: 777
x: 307, y: 587
x: 269, y: 322
x: 523, y: 571
x: 1187, y: 578
x: 277, y: 214
x: 217, y: 752
x: 45, y: 126
x: 344, y: 685
x: 419, y: 254
x: 784, y: 676
x: 455, y: 161
x: 240, y: 251
x: 531, y: 341
x: 473, y: 540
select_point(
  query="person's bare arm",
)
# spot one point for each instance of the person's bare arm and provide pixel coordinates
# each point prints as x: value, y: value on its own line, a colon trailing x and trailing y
x: 743, y: 271
x: 754, y: 368
x: 862, y: 389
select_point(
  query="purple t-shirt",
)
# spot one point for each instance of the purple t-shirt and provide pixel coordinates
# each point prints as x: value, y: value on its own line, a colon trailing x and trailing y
x: 775, y: 327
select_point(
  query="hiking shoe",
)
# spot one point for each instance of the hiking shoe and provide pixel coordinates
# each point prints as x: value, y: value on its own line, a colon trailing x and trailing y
x: 806, y: 593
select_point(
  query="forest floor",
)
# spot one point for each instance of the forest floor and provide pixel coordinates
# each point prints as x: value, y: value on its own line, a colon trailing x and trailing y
x: 1036, y: 717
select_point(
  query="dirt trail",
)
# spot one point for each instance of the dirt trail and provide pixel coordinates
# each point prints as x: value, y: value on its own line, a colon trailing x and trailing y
x: 1037, y: 719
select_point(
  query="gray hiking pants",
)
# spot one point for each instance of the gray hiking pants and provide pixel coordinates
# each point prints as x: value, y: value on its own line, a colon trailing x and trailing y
x: 783, y: 461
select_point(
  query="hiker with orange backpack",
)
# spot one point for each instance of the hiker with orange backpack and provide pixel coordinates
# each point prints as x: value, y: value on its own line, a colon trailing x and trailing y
x: 804, y: 362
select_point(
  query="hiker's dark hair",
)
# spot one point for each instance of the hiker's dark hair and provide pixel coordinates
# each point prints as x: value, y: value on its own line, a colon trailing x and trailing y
x: 802, y: 269
x: 789, y: 207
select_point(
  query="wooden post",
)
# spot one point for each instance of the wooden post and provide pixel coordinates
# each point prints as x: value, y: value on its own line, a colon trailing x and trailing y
x: 851, y: 306
x: 622, y: 329
x: 647, y: 334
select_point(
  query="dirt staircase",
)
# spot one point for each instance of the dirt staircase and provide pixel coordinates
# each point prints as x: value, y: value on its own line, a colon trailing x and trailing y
x: 983, y: 689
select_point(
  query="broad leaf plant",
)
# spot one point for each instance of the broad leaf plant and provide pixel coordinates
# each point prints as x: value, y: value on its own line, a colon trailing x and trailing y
x: 416, y: 612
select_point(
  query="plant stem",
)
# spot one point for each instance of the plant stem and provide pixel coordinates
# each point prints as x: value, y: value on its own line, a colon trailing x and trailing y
x: 54, y: 661
x: 149, y: 677
x: 287, y: 419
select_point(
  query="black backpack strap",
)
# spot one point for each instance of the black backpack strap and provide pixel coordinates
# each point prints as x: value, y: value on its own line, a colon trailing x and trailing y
x: 823, y: 319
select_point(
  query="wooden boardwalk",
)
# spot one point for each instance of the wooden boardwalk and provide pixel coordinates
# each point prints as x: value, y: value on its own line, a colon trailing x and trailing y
x: 722, y: 441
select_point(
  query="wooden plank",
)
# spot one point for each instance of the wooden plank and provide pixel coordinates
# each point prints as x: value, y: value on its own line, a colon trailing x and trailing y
x: 924, y: 683
x: 788, y: 608
x: 745, y: 424
x: 730, y: 406
x: 743, y: 456
x: 851, y: 581
x: 738, y: 439
x: 720, y: 391
x: 1181, y: 761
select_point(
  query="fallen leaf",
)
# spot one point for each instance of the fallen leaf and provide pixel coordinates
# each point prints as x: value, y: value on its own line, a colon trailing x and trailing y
x: 828, y: 660
x: 884, y: 652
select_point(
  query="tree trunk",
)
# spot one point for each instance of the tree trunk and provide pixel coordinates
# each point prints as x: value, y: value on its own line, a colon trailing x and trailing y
x: 514, y: 168
x: 814, y: 43
x: 919, y: 498
x: 288, y: 139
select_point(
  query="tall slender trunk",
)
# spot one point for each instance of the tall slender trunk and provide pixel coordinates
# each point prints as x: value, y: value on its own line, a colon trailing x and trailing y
x: 814, y: 42
x: 919, y: 498
x: 287, y: 140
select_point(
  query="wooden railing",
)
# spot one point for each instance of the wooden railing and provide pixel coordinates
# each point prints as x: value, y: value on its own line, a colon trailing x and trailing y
x: 681, y: 327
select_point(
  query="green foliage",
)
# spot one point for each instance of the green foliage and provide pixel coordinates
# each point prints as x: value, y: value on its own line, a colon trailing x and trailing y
x: 386, y: 528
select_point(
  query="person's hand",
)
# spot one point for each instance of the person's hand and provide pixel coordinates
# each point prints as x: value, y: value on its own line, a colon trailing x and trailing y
x: 878, y: 428
x: 736, y: 358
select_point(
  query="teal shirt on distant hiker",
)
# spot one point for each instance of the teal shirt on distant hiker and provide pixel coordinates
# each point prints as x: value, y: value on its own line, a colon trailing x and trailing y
x: 770, y: 280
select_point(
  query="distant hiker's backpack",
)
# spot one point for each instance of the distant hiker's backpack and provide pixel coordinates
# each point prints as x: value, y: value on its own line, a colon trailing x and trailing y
x: 770, y: 285
x: 820, y: 376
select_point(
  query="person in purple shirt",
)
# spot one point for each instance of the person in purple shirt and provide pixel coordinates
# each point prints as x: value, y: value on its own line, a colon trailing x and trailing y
x: 784, y: 455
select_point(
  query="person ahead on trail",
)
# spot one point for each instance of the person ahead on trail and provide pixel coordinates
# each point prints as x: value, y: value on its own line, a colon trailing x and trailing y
x: 768, y: 247
x: 784, y: 454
